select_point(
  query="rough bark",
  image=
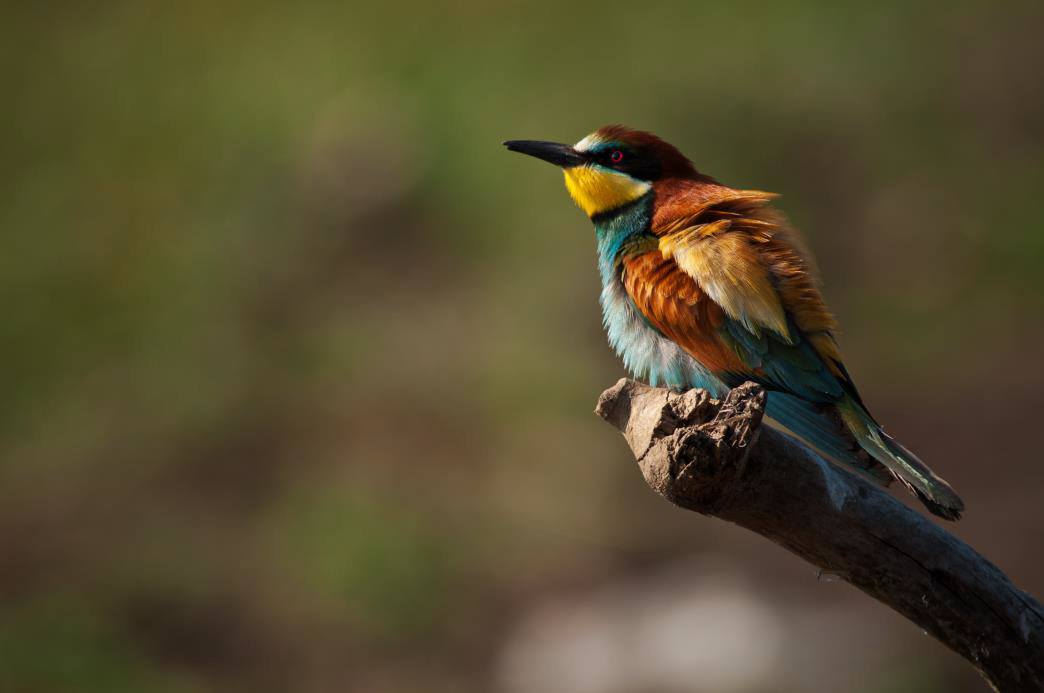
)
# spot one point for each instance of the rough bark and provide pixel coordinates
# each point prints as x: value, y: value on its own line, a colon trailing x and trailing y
x: 715, y: 458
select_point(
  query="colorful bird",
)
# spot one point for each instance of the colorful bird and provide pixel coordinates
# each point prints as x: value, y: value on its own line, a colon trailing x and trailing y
x: 707, y: 286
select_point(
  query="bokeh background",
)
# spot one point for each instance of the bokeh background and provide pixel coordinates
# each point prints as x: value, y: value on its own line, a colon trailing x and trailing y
x: 299, y: 363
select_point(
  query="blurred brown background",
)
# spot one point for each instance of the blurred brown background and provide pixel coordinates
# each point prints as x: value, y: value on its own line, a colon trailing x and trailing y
x: 300, y: 363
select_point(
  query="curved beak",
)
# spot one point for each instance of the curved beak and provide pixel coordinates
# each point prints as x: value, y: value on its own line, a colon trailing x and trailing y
x: 552, y: 152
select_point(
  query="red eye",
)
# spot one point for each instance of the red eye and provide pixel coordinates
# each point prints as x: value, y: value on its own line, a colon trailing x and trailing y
x: 616, y: 156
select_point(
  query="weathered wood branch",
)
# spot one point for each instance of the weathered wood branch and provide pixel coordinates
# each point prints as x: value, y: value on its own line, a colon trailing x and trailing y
x: 715, y: 458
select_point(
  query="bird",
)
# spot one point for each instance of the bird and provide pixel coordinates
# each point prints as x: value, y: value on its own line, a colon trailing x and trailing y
x: 708, y: 286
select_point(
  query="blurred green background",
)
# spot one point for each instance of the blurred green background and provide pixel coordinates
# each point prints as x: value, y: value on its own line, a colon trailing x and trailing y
x: 300, y: 363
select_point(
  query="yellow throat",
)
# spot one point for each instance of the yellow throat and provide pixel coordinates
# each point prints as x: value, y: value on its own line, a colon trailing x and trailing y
x: 596, y: 190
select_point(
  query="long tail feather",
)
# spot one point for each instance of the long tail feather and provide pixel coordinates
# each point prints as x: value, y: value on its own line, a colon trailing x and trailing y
x: 932, y: 490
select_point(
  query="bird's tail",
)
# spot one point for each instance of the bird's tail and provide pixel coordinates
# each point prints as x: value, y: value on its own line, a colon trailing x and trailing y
x: 819, y: 427
x: 931, y: 489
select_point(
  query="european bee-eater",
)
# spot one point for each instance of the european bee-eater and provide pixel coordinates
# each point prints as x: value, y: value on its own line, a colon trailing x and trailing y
x: 707, y: 286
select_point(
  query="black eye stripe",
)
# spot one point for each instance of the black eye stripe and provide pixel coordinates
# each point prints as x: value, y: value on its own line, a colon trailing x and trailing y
x: 638, y: 164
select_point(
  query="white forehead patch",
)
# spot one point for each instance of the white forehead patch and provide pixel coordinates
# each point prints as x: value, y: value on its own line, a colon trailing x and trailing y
x: 588, y: 143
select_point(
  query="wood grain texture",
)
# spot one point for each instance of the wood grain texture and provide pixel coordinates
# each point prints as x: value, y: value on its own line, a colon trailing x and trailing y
x: 715, y: 458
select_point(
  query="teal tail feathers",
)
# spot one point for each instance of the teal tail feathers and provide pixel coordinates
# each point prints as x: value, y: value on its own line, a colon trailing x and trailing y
x: 932, y: 490
x: 818, y: 426
x: 844, y: 436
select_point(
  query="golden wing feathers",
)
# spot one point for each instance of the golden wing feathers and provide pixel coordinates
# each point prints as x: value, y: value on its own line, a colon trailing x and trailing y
x: 745, y: 257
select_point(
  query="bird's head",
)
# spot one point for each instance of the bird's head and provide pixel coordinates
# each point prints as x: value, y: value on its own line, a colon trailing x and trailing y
x: 611, y: 167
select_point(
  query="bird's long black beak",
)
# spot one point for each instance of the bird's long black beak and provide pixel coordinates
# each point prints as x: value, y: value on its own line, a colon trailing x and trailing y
x: 552, y: 152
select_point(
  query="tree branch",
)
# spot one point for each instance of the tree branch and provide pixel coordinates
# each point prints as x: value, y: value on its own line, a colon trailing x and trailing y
x: 715, y: 458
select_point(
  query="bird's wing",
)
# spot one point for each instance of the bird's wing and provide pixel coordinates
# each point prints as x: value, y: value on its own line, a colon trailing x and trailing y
x: 760, y: 302
x: 727, y: 268
x: 803, y: 381
x: 734, y: 348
